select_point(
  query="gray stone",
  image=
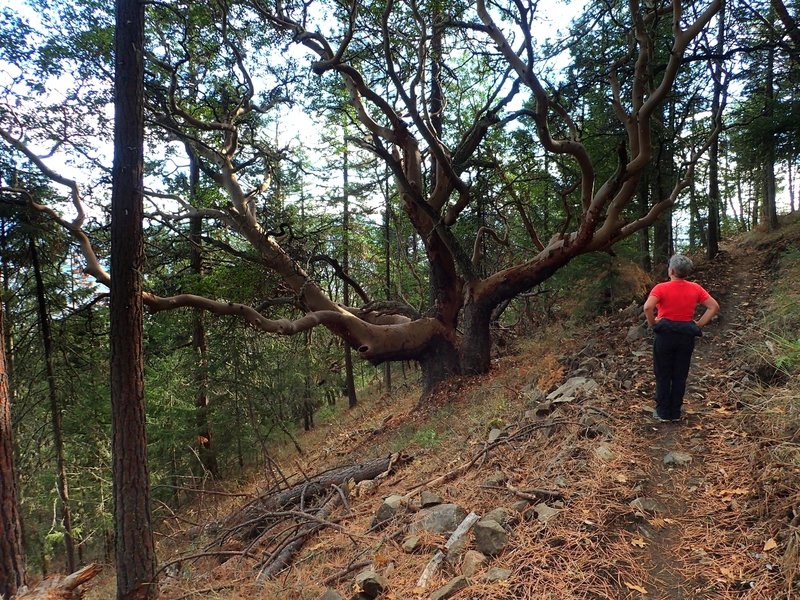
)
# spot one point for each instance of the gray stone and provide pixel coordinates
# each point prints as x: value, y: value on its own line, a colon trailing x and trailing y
x: 592, y: 427
x: 427, y: 498
x: 677, y: 458
x: 544, y: 512
x: 490, y: 537
x: 496, y: 478
x: 500, y: 515
x: 533, y: 394
x: 497, y: 574
x: 570, y: 389
x: 647, y: 505
x: 472, y: 563
x: 456, y: 550
x: 443, y: 518
x: 495, y: 434
x: 450, y: 589
x: 520, y: 505
x: 387, y: 510
x: 330, y: 595
x: 544, y: 409
x: 411, y: 543
x: 603, y: 452
x: 637, y: 332
x: 370, y: 583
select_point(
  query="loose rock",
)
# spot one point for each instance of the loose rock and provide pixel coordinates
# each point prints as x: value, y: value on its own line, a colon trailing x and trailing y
x: 370, y: 583
x: 544, y: 513
x: 570, y: 389
x: 411, y: 543
x: 427, y: 498
x: 330, y: 595
x: 677, y: 458
x: 387, y: 510
x: 497, y: 574
x: 443, y: 518
x: 454, y: 585
x: 603, y: 452
x: 497, y: 478
x: 472, y: 563
x: 490, y: 537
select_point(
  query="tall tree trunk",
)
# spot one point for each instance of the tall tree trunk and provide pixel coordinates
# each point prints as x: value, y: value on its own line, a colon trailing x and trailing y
x: 350, y: 383
x: 387, y: 258
x: 769, y: 207
x: 55, y: 410
x: 12, y: 556
x: 134, y: 547
x: 714, y: 200
x: 790, y: 176
x: 208, y: 456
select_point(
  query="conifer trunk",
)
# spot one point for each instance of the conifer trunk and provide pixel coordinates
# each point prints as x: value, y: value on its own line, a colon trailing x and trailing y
x: 55, y: 410
x: 134, y: 544
x: 12, y: 557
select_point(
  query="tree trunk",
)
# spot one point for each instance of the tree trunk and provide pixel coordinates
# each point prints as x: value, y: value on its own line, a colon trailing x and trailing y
x: 208, y: 456
x: 12, y: 556
x: 387, y: 257
x: 439, y: 362
x: 714, y: 201
x: 476, y: 344
x: 134, y: 547
x: 55, y: 410
x: 350, y: 383
x: 769, y: 207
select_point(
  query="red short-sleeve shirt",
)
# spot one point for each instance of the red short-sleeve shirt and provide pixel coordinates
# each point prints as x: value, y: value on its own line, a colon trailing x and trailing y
x: 678, y: 298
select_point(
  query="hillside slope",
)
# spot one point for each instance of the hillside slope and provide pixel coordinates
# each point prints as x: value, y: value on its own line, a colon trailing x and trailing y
x: 601, y: 500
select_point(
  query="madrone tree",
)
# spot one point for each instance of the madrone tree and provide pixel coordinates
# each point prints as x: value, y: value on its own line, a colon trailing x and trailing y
x: 428, y: 85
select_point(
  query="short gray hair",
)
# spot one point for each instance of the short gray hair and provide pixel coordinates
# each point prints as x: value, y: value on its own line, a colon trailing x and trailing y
x: 681, y: 265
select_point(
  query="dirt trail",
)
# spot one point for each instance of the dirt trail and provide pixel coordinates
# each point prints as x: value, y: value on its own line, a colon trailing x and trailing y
x: 689, y: 499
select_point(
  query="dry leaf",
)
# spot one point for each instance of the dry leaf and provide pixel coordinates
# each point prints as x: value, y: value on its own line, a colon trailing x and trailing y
x: 770, y: 544
x: 636, y: 588
x: 638, y: 542
x: 727, y: 572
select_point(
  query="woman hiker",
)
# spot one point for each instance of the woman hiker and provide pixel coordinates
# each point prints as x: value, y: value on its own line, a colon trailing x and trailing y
x: 670, y: 311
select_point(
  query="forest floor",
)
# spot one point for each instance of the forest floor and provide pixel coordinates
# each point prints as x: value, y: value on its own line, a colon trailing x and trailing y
x: 604, y: 501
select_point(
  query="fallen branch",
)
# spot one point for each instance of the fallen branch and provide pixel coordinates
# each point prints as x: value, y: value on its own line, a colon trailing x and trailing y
x: 533, y: 494
x: 278, y: 562
x: 62, y: 588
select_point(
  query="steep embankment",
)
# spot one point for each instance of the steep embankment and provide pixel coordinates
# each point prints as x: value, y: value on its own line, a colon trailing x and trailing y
x: 601, y: 501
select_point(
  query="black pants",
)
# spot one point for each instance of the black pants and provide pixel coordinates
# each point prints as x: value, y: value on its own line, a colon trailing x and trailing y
x: 672, y: 355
